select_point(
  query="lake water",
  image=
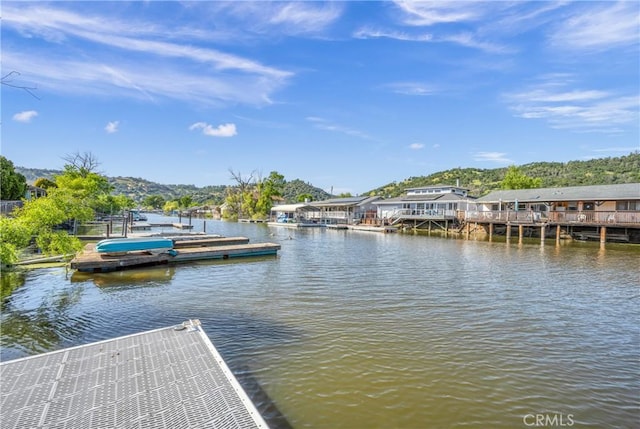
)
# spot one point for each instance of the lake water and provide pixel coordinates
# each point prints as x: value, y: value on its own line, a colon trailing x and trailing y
x: 347, y: 329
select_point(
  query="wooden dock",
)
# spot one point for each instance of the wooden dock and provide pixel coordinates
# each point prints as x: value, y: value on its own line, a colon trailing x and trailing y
x: 91, y: 261
x: 171, y: 377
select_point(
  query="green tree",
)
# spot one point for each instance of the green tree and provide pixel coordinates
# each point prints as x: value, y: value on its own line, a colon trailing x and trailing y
x: 153, y: 201
x: 304, y: 197
x: 170, y: 206
x: 185, y: 201
x: 44, y: 183
x: 15, y: 234
x: 267, y: 189
x: 514, y: 178
x: 13, y: 185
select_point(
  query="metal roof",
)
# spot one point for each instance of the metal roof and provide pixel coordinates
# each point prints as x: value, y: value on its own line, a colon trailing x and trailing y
x: 292, y: 207
x: 343, y: 202
x: 425, y: 198
x: 626, y: 191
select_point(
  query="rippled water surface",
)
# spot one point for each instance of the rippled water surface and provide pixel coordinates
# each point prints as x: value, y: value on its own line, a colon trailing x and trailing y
x: 348, y: 329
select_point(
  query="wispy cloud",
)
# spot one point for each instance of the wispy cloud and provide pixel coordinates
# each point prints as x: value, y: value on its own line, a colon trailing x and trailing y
x: 202, y: 75
x: 497, y: 157
x: 112, y: 127
x: 223, y: 130
x: 25, y: 116
x: 370, y: 33
x: 603, y: 25
x: 427, y: 13
x: 286, y: 18
x: 323, y: 124
x: 416, y: 146
x: 412, y: 88
x: 583, y: 110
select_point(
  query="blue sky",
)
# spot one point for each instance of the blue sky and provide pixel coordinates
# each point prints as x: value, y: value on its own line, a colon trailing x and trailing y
x: 348, y: 96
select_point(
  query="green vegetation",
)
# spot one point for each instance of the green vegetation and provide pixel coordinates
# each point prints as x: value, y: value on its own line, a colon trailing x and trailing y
x: 75, y: 195
x: 514, y: 178
x: 253, y: 198
x: 602, y: 171
x: 14, y: 184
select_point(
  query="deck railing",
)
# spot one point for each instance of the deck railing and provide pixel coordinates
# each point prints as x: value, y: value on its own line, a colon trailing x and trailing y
x: 583, y: 217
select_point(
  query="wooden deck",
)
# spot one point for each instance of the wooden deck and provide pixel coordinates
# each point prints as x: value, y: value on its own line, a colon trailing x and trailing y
x: 91, y: 261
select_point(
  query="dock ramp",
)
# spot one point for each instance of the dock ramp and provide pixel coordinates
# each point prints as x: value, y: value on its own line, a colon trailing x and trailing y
x: 166, y: 378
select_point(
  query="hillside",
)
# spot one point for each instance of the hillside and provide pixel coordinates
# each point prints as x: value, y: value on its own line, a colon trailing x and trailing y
x: 601, y: 171
x: 138, y: 188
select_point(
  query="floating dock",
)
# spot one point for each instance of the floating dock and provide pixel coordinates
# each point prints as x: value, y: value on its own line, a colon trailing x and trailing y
x: 166, y: 378
x: 91, y: 261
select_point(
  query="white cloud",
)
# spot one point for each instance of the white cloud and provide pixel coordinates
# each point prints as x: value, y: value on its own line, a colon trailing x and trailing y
x: 203, y: 75
x: 323, y: 124
x: 602, y: 26
x: 416, y: 146
x: 223, y: 130
x: 497, y: 157
x: 25, y: 116
x: 582, y: 110
x: 426, y: 13
x: 412, y: 88
x: 112, y: 127
x: 369, y: 33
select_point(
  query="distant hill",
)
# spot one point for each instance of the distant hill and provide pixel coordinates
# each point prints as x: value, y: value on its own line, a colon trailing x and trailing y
x: 138, y: 188
x: 602, y: 171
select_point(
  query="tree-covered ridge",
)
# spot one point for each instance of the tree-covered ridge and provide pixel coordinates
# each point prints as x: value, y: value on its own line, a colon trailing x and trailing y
x: 601, y: 171
x: 138, y: 189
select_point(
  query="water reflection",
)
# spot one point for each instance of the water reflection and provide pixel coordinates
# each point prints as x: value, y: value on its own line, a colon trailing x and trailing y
x: 140, y: 277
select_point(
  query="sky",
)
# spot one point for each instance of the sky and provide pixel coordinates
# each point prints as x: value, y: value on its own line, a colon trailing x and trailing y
x: 347, y: 96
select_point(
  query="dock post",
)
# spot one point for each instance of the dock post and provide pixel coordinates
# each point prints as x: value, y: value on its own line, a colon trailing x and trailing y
x: 508, y: 231
x: 558, y: 234
x: 520, y: 233
x: 603, y: 235
x: 491, y: 231
x: 542, y: 233
x: 468, y: 230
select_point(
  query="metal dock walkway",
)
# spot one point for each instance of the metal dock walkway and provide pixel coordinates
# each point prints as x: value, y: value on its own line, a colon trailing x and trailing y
x: 166, y: 378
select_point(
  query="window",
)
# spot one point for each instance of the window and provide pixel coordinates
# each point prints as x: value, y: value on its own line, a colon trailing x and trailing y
x: 628, y: 205
x: 572, y: 206
x: 588, y: 205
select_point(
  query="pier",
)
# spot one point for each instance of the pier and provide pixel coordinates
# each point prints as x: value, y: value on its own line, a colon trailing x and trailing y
x: 166, y: 378
x: 89, y: 260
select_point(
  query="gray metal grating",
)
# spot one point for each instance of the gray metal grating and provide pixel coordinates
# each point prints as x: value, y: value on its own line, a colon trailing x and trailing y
x: 167, y: 378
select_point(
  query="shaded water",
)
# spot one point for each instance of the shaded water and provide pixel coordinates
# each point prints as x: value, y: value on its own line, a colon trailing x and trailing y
x: 349, y: 329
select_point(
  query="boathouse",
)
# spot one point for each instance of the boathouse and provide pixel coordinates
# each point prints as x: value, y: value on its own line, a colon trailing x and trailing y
x: 425, y: 207
x: 294, y: 215
x: 599, y: 212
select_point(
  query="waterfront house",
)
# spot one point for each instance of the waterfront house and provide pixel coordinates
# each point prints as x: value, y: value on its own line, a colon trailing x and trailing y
x: 601, y: 204
x: 583, y: 211
x: 439, y: 205
x: 347, y: 210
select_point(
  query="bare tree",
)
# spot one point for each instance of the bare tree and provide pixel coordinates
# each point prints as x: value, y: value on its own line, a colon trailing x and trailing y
x: 8, y: 80
x: 85, y: 162
x: 243, y: 184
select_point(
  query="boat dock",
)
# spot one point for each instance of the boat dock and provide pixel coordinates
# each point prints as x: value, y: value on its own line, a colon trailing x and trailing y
x: 89, y: 260
x: 165, y: 378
